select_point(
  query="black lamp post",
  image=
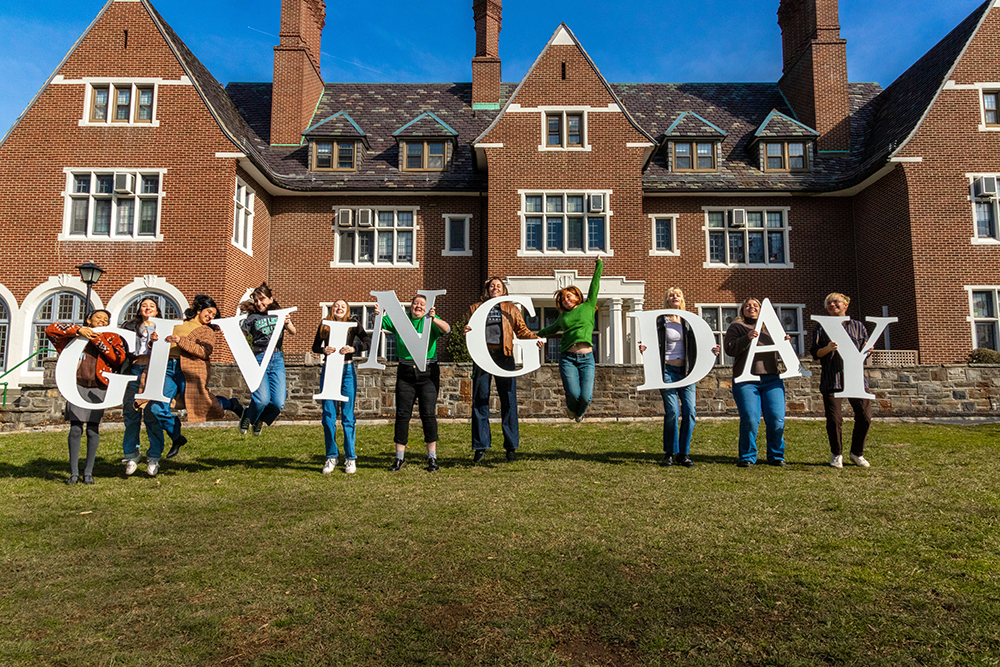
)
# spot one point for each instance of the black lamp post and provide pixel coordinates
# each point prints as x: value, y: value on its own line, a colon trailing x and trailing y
x: 90, y: 273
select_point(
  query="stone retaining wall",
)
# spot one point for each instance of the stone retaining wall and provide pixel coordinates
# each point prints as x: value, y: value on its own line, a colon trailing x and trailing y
x: 949, y: 390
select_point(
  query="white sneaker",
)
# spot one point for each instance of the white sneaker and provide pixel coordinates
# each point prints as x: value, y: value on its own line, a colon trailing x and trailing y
x: 330, y: 464
x: 837, y: 461
x: 152, y: 467
x: 350, y: 467
x: 131, y: 465
x: 860, y: 461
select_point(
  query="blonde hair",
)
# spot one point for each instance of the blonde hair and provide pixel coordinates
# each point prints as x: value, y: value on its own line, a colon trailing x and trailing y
x: 836, y: 295
x: 674, y: 290
x: 740, y: 318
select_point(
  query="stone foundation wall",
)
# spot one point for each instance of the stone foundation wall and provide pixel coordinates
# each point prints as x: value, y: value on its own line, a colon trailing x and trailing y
x: 948, y: 390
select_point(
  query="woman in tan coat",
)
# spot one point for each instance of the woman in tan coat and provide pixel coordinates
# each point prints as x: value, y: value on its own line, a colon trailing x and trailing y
x: 188, y: 374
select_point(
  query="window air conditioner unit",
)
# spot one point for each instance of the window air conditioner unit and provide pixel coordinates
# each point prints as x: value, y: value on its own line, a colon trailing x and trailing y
x: 364, y: 217
x: 986, y: 186
x: 596, y: 203
x: 124, y: 183
x: 739, y: 218
x: 344, y: 217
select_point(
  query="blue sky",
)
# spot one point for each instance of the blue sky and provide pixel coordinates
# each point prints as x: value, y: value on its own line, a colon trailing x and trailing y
x: 407, y: 40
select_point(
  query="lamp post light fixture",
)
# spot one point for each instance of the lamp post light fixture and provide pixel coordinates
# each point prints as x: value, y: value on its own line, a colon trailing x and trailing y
x: 90, y: 273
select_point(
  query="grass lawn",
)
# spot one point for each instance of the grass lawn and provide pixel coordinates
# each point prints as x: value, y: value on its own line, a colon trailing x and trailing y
x: 582, y: 552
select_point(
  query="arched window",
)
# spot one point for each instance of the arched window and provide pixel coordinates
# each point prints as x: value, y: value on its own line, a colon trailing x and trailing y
x: 169, y: 309
x: 4, y: 334
x: 60, y: 307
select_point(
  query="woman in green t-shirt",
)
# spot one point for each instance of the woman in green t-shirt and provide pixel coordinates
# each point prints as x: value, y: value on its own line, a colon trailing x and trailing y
x: 576, y: 358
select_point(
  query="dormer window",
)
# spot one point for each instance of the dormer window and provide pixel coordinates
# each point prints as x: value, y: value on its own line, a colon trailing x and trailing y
x: 694, y: 156
x: 786, y: 156
x: 334, y: 155
x: 428, y: 155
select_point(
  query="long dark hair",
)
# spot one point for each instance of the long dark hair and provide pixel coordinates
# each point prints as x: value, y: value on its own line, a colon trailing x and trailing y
x: 264, y: 290
x: 200, y: 303
x: 137, y: 320
x: 485, y: 296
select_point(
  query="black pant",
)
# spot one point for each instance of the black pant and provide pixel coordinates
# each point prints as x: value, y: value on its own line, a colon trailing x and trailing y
x: 834, y: 420
x: 412, y: 384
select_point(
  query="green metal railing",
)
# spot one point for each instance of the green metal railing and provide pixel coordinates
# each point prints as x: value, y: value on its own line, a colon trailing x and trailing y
x: 44, y: 350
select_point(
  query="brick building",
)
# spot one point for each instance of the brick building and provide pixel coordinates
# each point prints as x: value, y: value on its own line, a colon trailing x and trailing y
x: 132, y: 155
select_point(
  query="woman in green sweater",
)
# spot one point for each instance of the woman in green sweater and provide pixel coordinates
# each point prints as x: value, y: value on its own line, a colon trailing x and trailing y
x: 576, y: 359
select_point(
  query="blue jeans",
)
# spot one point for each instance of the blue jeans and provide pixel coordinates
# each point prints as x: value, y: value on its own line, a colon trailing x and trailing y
x: 677, y: 403
x: 767, y: 398
x: 577, y: 372
x: 269, y: 399
x: 348, y: 387
x: 133, y: 420
x: 507, y: 391
x: 172, y: 385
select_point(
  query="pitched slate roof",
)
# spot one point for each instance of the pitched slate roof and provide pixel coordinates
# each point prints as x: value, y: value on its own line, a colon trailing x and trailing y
x: 900, y: 108
x: 690, y: 124
x: 426, y: 125
x: 778, y: 124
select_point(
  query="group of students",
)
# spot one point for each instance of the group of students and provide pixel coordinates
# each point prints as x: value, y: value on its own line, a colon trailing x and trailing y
x: 192, y: 343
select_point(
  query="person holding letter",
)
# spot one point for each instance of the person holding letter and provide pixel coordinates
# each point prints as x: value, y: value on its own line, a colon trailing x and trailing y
x: 764, y: 396
x: 104, y: 353
x: 148, y: 413
x: 831, y: 380
x: 678, y: 358
x: 188, y: 373
x: 503, y: 324
x: 576, y: 358
x: 360, y: 342
x: 268, y: 400
x: 413, y: 384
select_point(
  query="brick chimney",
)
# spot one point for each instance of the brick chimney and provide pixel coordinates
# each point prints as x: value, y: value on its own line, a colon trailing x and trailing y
x: 814, y: 75
x: 297, y: 80
x: 486, y: 64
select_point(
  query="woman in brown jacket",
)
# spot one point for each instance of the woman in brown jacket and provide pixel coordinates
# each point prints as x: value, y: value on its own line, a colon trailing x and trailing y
x: 191, y: 345
x: 502, y: 324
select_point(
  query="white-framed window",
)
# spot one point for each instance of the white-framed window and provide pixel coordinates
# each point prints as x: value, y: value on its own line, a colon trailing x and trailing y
x: 565, y: 223
x: 983, y: 195
x: 168, y: 307
x: 747, y: 238
x: 4, y: 333
x: 720, y: 315
x: 984, y: 311
x: 564, y: 129
x: 663, y: 230
x: 385, y: 238
x: 112, y: 204
x: 120, y: 103
x: 59, y: 307
x: 456, y: 236
x: 385, y: 347
x: 243, y: 203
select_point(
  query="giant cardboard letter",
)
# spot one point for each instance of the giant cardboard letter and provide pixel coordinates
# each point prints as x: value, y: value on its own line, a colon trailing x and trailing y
x: 783, y: 347
x: 159, y: 355
x: 253, y: 373
x: 66, y: 367
x: 475, y: 340
x: 854, y: 359
x: 333, y: 373
x: 704, y: 340
x: 416, y: 343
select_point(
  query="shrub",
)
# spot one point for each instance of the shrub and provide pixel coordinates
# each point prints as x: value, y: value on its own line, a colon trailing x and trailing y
x: 984, y: 355
x: 455, y: 346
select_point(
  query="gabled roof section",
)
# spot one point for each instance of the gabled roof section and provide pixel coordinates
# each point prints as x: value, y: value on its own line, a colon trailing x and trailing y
x: 563, y: 35
x: 426, y: 125
x: 902, y: 106
x: 778, y: 125
x: 209, y: 89
x: 339, y: 124
x: 690, y: 124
